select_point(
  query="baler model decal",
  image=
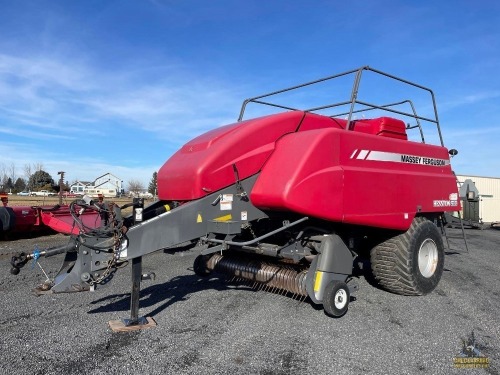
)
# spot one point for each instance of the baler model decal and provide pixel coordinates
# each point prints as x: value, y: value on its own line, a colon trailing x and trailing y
x: 444, y: 203
x: 398, y: 158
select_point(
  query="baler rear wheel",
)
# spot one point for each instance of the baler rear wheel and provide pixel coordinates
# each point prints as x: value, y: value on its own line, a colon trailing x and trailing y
x: 336, y: 298
x: 410, y: 263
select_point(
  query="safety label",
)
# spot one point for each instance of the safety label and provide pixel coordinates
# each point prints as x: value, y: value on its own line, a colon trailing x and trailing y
x: 226, y: 202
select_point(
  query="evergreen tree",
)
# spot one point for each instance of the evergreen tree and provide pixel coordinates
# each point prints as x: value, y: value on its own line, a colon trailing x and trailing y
x: 41, y: 180
x: 153, y: 184
x: 19, y: 185
x: 10, y: 185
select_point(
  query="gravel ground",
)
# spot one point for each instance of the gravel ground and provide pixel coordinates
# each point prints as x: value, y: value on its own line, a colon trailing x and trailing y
x: 206, y: 326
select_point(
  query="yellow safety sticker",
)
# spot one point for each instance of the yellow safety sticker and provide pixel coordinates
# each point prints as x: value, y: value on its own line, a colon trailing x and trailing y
x: 167, y: 207
x: 317, y: 280
x: 199, y: 219
x: 224, y: 218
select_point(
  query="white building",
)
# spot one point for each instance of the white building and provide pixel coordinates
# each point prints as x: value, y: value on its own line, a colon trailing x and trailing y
x: 78, y: 187
x: 489, y: 196
x: 107, y: 184
x: 109, y: 181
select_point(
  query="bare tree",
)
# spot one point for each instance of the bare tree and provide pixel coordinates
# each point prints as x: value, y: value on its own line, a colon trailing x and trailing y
x: 12, y: 171
x: 38, y: 167
x: 27, y: 173
x: 135, y: 186
x: 3, y: 176
x: 6, y: 182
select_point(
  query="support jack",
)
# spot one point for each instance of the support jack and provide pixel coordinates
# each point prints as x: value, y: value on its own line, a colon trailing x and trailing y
x: 135, y: 322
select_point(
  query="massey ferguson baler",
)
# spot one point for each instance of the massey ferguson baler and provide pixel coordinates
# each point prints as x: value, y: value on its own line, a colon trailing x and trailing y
x: 292, y: 200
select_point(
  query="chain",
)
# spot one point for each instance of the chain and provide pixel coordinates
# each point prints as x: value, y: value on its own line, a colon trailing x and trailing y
x: 110, y: 268
x: 251, y: 231
x: 105, y: 274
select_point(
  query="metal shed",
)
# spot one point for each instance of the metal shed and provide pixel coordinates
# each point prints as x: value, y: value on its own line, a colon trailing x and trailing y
x: 489, y: 196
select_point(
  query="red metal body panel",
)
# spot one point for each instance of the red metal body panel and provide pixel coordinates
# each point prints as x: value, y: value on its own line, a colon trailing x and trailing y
x: 381, y: 192
x: 61, y: 220
x: 369, y: 176
x: 313, y: 121
x: 205, y: 164
x: 29, y: 219
x: 384, y: 126
x: 349, y: 177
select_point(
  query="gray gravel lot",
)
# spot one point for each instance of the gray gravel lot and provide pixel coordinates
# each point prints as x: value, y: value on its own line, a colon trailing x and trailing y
x: 206, y: 326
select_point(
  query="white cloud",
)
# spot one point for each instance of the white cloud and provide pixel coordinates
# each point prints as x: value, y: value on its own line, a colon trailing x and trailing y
x: 32, y: 134
x: 468, y: 134
x: 55, y: 106
x: 467, y: 100
x: 48, y: 93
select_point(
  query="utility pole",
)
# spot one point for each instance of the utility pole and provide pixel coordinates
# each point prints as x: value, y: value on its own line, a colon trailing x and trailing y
x: 61, y: 186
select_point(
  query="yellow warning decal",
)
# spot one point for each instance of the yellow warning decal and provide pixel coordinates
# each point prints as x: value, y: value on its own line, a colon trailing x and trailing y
x: 199, y: 219
x: 167, y: 208
x: 317, y: 281
x: 224, y: 218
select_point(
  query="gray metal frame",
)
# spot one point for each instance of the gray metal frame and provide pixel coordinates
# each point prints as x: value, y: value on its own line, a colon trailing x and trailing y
x: 180, y: 225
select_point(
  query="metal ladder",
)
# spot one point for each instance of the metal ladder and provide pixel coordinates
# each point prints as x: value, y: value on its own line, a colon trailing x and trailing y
x: 442, y: 222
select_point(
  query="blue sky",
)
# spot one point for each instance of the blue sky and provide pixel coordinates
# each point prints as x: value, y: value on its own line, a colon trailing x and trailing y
x: 91, y: 87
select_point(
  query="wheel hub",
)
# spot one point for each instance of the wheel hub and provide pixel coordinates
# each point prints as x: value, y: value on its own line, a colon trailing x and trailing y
x: 428, y: 258
x: 340, y: 299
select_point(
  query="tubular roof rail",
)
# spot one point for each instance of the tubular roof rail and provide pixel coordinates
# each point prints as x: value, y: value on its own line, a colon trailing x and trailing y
x: 353, y: 101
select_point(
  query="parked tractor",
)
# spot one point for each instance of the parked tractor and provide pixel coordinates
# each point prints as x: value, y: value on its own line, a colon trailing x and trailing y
x: 293, y: 200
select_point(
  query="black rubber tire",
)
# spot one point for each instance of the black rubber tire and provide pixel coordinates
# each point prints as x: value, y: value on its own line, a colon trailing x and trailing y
x: 200, y: 266
x: 336, y: 298
x: 395, y: 262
